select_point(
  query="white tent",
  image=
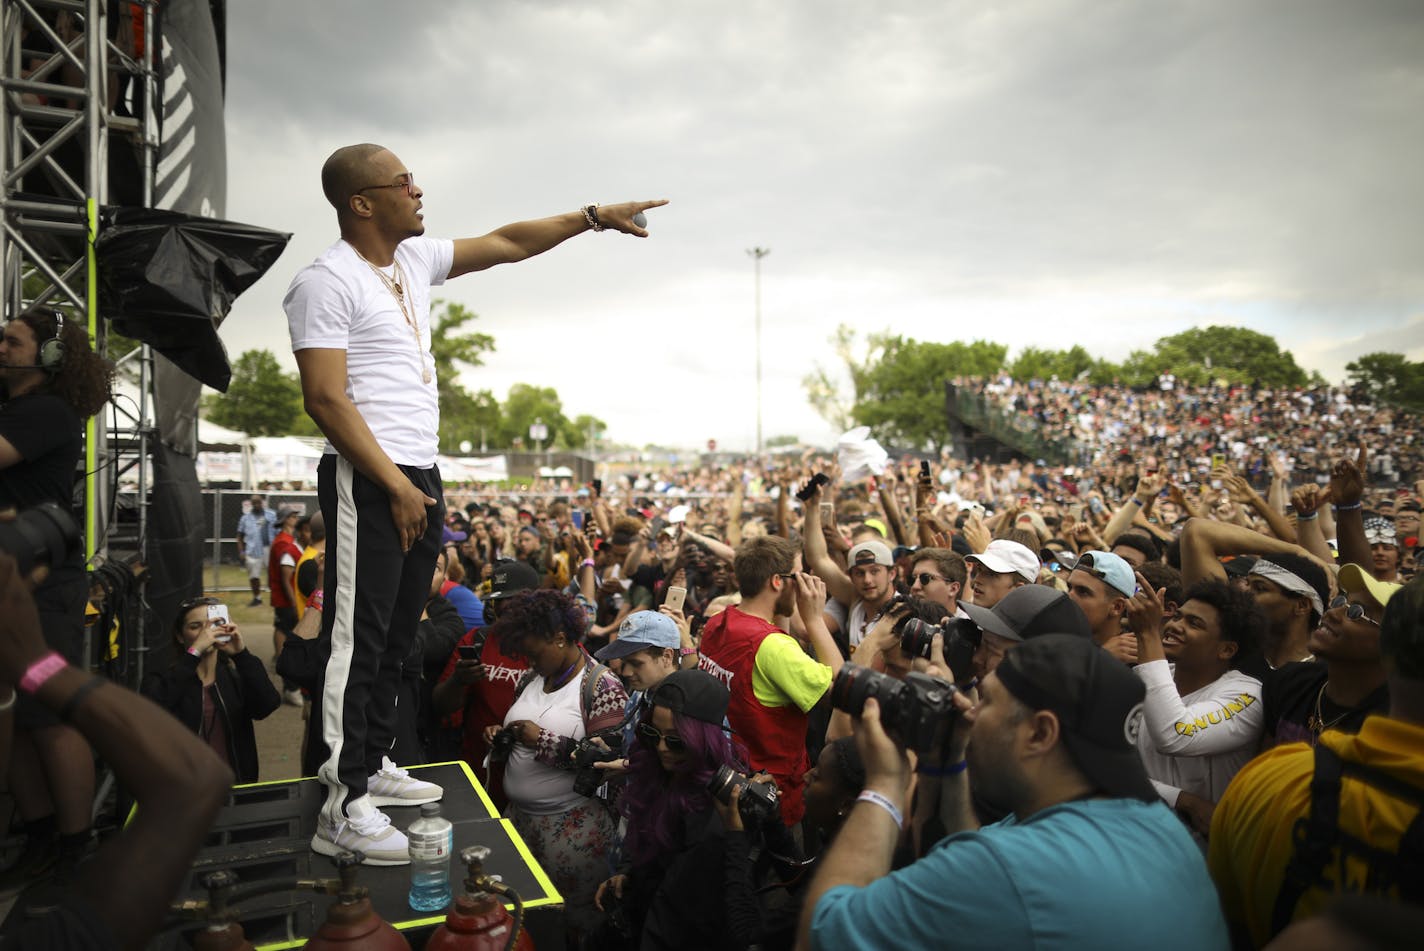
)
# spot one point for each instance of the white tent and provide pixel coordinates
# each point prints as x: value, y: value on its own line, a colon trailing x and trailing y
x: 284, y: 459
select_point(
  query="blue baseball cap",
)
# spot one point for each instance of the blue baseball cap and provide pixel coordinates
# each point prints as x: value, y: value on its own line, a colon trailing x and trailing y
x: 642, y: 630
x: 1112, y: 570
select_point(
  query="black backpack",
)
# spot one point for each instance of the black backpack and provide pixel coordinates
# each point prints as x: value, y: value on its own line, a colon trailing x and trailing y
x: 1317, y: 838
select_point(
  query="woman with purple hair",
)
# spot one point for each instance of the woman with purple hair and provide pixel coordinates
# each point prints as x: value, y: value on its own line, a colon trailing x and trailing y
x: 669, y: 887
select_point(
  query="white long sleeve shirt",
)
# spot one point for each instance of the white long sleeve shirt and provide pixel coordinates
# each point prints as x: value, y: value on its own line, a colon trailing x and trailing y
x: 1198, y: 742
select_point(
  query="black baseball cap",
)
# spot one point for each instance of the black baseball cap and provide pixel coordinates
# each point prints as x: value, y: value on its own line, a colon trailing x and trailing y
x: 511, y: 576
x: 693, y: 693
x: 1098, y: 701
x: 1031, y: 610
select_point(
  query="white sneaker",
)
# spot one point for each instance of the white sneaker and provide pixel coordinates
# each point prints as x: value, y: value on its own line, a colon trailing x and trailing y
x: 393, y: 786
x: 373, y: 836
x: 293, y: 698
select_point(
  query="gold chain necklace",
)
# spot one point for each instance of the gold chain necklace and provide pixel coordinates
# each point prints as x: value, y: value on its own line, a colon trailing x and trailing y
x: 394, y: 286
x: 1317, y: 722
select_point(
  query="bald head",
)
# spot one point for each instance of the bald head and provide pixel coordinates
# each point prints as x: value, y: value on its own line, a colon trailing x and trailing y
x: 348, y: 169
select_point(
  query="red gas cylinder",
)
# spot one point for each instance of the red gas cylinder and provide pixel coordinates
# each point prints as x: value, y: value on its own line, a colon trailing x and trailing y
x: 351, y: 922
x: 478, y: 921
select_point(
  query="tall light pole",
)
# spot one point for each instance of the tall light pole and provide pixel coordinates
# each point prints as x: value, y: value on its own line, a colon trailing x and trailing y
x: 757, y: 254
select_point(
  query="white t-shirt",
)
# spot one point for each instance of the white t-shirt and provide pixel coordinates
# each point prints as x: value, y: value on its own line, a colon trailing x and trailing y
x: 535, y: 787
x: 1197, y: 742
x: 338, y: 303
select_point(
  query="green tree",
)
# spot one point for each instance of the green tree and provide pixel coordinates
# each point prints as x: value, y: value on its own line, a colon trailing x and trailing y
x: 832, y: 391
x: 526, y: 405
x: 900, y: 390
x: 263, y: 399
x: 1389, y: 378
x: 1204, y: 354
x: 1035, y: 363
x: 462, y: 414
x: 583, y: 432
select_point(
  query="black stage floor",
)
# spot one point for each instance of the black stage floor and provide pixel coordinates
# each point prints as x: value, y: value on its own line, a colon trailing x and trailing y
x: 265, y: 832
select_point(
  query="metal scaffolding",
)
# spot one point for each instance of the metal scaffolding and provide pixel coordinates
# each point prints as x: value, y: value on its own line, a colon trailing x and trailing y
x: 61, y: 67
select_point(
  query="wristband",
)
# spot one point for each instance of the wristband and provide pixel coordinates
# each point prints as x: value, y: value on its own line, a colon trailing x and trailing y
x: 194, y: 652
x: 1135, y: 499
x: 952, y: 770
x: 41, y: 671
x: 1307, y: 518
x: 71, y: 706
x: 590, y: 215
x: 1346, y: 508
x: 686, y: 651
x: 14, y: 695
x: 870, y: 795
x: 586, y: 563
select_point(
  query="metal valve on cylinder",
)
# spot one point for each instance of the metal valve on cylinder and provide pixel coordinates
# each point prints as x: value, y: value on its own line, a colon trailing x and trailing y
x: 351, y: 921
x: 478, y: 920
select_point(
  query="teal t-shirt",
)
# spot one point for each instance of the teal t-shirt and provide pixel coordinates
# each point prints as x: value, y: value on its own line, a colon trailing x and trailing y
x: 1098, y: 873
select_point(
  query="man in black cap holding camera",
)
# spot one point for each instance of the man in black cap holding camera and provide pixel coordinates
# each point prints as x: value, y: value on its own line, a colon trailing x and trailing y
x: 1053, y: 740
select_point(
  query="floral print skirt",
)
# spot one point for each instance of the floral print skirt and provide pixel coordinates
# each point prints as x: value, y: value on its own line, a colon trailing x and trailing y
x: 573, y: 848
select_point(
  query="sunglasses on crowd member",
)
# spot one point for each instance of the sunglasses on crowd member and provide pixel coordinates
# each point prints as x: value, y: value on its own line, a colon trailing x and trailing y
x: 192, y: 603
x: 925, y: 578
x: 1353, y: 611
x: 652, y: 736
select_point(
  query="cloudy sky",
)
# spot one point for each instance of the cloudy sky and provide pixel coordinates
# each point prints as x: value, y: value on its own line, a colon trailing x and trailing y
x: 1037, y: 172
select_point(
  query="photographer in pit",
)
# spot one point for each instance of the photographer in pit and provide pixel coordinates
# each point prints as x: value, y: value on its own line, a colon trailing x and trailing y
x: 669, y: 884
x: 215, y: 686
x: 50, y: 382
x: 1052, y: 739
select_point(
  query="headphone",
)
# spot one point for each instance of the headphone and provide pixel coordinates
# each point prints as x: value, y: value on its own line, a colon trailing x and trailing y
x: 51, y: 351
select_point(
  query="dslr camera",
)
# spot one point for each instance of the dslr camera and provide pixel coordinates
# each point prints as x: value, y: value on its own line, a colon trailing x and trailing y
x: 919, y: 709
x: 759, y: 803
x: 587, y: 778
x: 961, y: 639
x: 502, y: 744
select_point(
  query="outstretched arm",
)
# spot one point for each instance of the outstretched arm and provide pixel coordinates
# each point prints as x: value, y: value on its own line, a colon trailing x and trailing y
x: 1204, y: 542
x: 524, y: 239
x: 818, y: 555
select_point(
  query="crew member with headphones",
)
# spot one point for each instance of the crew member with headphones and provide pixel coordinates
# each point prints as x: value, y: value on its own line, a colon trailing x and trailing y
x: 50, y: 382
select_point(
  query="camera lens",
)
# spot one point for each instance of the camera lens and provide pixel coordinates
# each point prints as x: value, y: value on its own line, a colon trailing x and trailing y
x: 721, y: 784
x: 855, y: 684
x: 43, y: 535
x: 917, y: 637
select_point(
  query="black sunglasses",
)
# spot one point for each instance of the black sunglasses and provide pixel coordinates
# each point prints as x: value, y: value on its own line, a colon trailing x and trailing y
x: 1353, y: 611
x: 925, y: 578
x: 652, y: 736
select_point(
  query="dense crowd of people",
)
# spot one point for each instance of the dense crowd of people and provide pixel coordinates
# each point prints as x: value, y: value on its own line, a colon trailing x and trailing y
x: 1119, y: 666
x: 1245, y: 424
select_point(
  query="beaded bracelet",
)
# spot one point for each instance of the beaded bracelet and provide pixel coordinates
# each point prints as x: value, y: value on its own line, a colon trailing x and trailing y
x: 590, y: 214
x: 870, y: 795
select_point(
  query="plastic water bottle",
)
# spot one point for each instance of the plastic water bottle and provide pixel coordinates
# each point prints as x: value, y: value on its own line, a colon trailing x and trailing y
x: 431, y: 840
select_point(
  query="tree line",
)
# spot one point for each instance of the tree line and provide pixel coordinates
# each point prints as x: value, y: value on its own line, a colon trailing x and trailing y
x: 265, y: 400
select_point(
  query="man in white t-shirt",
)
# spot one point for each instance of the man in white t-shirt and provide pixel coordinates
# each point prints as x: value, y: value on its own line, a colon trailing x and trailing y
x: 1202, y: 716
x: 359, y: 318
